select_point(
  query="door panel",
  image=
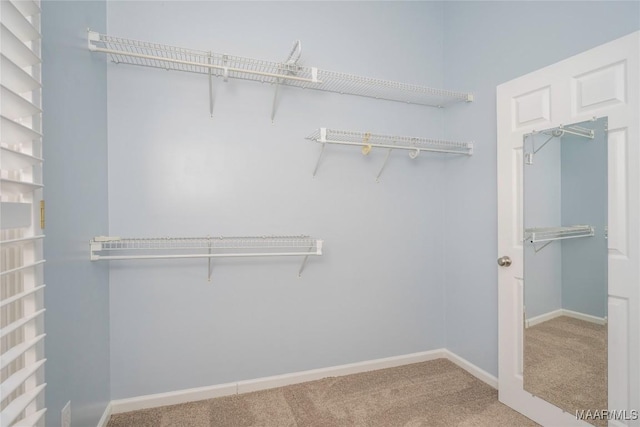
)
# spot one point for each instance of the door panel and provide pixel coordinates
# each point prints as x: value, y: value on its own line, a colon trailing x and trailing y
x: 600, y: 82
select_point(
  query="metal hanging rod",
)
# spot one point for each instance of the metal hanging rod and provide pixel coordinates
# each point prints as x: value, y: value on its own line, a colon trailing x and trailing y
x: 203, y: 247
x: 368, y: 140
x: 289, y: 73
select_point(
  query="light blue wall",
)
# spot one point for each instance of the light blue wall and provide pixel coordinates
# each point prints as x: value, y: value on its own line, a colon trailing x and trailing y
x: 173, y: 171
x: 584, y: 201
x: 379, y: 290
x: 75, y: 174
x: 488, y: 43
x: 542, y: 208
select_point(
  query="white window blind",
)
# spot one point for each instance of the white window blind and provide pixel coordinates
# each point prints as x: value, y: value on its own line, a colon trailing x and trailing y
x: 21, y: 219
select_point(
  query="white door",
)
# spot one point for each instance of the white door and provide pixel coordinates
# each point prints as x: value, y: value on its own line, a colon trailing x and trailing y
x: 603, y: 81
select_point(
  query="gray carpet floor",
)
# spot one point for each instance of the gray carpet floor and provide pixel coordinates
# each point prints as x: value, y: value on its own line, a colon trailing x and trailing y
x: 434, y: 393
x: 565, y: 363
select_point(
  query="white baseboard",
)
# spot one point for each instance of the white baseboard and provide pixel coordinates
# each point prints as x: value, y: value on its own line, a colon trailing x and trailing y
x: 172, y: 397
x: 337, y: 371
x: 209, y: 392
x: 564, y: 312
x: 104, y: 420
x: 532, y: 321
x: 477, y: 372
x: 585, y: 317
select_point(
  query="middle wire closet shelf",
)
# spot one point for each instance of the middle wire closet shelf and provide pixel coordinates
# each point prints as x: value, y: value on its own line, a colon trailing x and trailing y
x: 288, y: 72
x: 368, y: 141
x: 121, y: 248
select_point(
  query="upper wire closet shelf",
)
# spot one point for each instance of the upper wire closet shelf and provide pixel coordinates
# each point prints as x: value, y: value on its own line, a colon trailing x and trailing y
x: 289, y: 73
x: 120, y: 248
x: 367, y: 141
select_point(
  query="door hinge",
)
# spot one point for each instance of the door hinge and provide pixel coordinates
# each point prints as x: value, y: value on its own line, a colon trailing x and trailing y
x: 42, y: 214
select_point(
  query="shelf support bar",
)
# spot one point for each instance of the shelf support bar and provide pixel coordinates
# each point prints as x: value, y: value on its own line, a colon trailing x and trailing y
x: 539, y: 248
x: 535, y: 150
x: 209, y: 262
x: 304, y: 261
x: 210, y: 85
x: 383, y: 164
x: 275, y: 100
x: 319, y: 158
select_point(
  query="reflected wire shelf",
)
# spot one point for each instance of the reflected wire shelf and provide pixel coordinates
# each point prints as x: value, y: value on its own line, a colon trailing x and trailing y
x: 549, y: 234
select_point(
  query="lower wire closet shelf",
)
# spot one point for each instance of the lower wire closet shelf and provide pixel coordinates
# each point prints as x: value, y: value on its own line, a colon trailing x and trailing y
x: 129, y: 248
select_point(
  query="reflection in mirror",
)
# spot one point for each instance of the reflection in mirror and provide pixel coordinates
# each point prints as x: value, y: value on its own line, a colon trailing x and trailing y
x: 565, y: 266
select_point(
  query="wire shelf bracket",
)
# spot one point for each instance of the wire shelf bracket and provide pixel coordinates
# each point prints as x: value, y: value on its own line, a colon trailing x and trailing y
x: 548, y: 235
x: 119, y: 248
x: 287, y: 73
x: 553, y: 133
x: 367, y: 141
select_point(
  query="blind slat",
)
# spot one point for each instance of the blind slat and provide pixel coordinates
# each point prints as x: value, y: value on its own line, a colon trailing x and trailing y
x: 21, y: 295
x: 16, y: 133
x: 22, y: 240
x: 12, y: 383
x: 27, y: 7
x: 11, y: 327
x: 17, y: 351
x: 15, y: 78
x: 15, y: 408
x: 15, y: 21
x: 14, y: 160
x: 12, y: 186
x: 32, y: 419
x: 22, y: 267
x: 14, y: 106
x: 14, y: 49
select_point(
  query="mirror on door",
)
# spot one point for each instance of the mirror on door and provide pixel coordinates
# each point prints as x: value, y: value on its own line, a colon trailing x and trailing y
x: 565, y: 266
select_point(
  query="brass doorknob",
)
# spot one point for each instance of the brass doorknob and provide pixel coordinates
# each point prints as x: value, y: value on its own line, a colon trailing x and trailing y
x: 504, y: 261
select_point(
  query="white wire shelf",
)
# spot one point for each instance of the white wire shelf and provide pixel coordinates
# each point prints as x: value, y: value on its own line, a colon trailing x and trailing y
x: 367, y: 141
x: 289, y: 73
x: 134, y: 52
x: 549, y: 234
x: 117, y: 248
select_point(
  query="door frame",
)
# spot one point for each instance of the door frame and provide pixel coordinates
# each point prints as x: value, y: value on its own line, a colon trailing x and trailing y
x: 603, y: 81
